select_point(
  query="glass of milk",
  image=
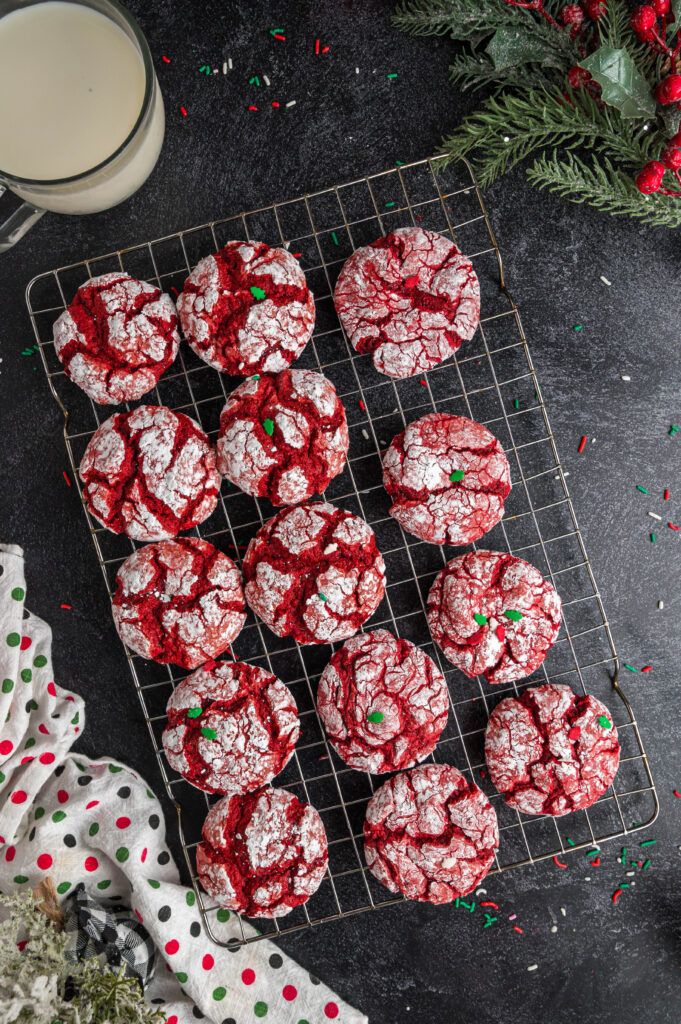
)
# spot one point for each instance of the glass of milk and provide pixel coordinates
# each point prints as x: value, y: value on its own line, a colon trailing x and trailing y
x: 81, y: 112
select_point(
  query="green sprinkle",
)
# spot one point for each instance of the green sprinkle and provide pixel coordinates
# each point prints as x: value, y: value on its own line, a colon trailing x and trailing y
x: 569, y: 841
x: 375, y: 717
x: 457, y: 475
x: 624, y: 885
x: 469, y: 906
x: 268, y: 427
x: 275, y: 31
x: 255, y: 376
x: 578, y: 327
x: 390, y: 204
x: 254, y: 80
x: 623, y: 855
x: 672, y: 430
x: 334, y: 238
x: 257, y: 293
x: 513, y: 614
x: 205, y: 69
x: 630, y: 668
x: 648, y: 842
x: 653, y: 538
x: 194, y: 712
x: 643, y: 490
x: 489, y: 921
x: 646, y: 864
x: 604, y: 722
x: 322, y: 597
x: 480, y: 619
x: 592, y: 853
x: 393, y: 74
x: 210, y: 734
x: 516, y: 403
x: 399, y: 163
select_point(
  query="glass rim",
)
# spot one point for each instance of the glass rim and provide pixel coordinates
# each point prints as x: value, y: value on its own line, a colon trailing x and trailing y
x: 149, y: 82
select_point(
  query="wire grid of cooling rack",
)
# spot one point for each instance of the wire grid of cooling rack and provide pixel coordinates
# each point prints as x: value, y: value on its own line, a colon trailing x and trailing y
x: 491, y: 380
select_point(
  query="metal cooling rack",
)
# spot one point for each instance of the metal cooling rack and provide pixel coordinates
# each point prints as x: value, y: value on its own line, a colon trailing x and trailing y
x: 492, y: 380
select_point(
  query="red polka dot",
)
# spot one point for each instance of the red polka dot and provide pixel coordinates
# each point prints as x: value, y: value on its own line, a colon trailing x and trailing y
x: 46, y: 758
x: 93, y: 803
x: 91, y: 864
x: 10, y: 854
x: 2, y: 840
x: 44, y: 861
x: 172, y: 1019
x: 143, y: 855
x: 52, y: 689
x: 248, y: 976
x: 331, y: 1011
x: 122, y: 822
x: 69, y: 696
x: 26, y: 643
x: 62, y: 796
x: 208, y: 963
x: 6, y: 747
x: 289, y: 992
x: 26, y: 759
x: 43, y: 729
x: 172, y: 947
x: 18, y: 796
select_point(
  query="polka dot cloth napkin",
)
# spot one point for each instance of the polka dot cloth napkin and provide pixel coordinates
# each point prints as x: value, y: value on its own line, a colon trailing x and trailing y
x: 98, y: 823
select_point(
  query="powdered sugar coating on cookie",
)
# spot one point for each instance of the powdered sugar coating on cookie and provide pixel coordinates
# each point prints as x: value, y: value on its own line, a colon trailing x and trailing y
x: 448, y: 478
x: 383, y: 702
x: 551, y: 751
x: 283, y: 436
x: 430, y: 834
x: 247, y: 309
x: 410, y: 299
x: 149, y: 473
x: 263, y: 853
x: 117, y: 337
x: 493, y: 615
x: 179, y: 601
x: 231, y: 727
x: 314, y: 573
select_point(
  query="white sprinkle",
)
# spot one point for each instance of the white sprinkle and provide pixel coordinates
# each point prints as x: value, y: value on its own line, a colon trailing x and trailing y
x: 593, y: 440
x: 605, y: 281
x: 630, y: 874
x: 216, y: 71
x: 625, y: 376
x: 563, y: 911
x: 356, y: 71
x: 660, y: 605
x: 229, y: 63
x: 265, y: 79
x: 481, y: 892
x: 554, y: 928
x: 587, y: 878
x: 533, y: 967
x: 365, y: 435
x: 654, y: 515
x: 224, y: 68
x: 291, y: 103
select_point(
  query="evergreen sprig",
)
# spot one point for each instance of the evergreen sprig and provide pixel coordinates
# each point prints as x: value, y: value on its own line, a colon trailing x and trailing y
x: 584, y: 148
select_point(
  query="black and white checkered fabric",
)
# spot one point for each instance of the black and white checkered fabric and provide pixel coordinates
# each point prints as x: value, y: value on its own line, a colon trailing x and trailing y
x: 111, y: 933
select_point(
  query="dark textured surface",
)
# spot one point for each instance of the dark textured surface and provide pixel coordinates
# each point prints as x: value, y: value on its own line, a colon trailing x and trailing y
x: 408, y: 963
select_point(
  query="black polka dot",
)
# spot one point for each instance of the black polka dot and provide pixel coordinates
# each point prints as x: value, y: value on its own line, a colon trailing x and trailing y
x: 31, y: 835
x: 154, y: 821
x: 229, y: 1020
x: 157, y: 1001
x: 164, y: 914
x: 124, y: 792
x: 197, y: 1013
x: 69, y: 840
x: 163, y: 857
x: 84, y: 780
x: 58, y: 771
x: 315, y: 981
x: 276, y: 961
x: 195, y: 929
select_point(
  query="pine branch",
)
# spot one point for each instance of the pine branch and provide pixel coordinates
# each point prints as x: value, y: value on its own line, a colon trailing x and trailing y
x: 460, y: 19
x: 475, y: 71
x: 602, y: 186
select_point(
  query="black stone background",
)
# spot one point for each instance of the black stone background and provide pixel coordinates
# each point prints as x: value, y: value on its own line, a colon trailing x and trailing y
x: 411, y: 963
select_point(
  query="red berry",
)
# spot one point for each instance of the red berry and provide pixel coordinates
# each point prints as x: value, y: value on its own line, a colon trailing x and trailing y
x: 671, y: 158
x: 595, y: 9
x: 661, y: 7
x: 675, y: 140
x: 649, y: 179
x: 578, y: 78
x: 669, y: 90
x: 643, y: 21
x: 572, y: 14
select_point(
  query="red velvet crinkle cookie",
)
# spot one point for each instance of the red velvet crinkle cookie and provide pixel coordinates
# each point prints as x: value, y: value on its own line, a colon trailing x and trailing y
x: 179, y: 601
x: 149, y: 473
x: 493, y: 615
x: 247, y: 309
x: 410, y: 299
x: 263, y: 853
x: 430, y: 834
x: 283, y: 436
x: 231, y: 727
x: 448, y: 478
x: 314, y: 573
x: 383, y: 702
x: 550, y: 751
x: 117, y: 337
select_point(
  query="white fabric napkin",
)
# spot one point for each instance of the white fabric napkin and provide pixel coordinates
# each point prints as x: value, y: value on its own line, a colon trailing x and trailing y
x: 99, y: 823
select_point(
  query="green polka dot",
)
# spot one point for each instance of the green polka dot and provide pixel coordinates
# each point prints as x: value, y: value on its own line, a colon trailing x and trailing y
x: 93, y: 829
x: 63, y: 887
x: 152, y: 796
x: 113, y: 768
x: 153, y: 883
x: 122, y: 854
x: 2, y: 776
x: 190, y: 898
x: 31, y: 705
x: 301, y: 1021
x: 18, y: 593
x: 26, y: 675
x: 79, y: 766
x: 40, y: 661
x: 104, y: 884
x: 30, y: 742
x: 7, y: 685
x: 260, y: 1009
x: 76, y: 719
x: 13, y: 639
x: 20, y: 879
x: 181, y: 977
x: 58, y: 816
x: 223, y: 915
x: 219, y: 993
x: 38, y: 813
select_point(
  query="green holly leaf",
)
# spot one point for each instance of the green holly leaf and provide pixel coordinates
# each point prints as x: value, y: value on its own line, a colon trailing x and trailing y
x: 480, y: 619
x: 623, y: 86
x: 510, y: 47
x: 258, y: 293
x: 456, y: 475
x: 268, y: 427
x: 375, y: 717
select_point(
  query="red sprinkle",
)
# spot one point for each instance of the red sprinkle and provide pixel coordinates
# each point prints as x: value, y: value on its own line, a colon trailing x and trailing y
x: 68, y: 607
x: 183, y: 111
x: 67, y: 478
x: 647, y: 668
x: 252, y: 107
x: 175, y: 291
x: 490, y: 903
x: 676, y: 794
x: 278, y: 35
x: 559, y: 863
x: 166, y: 60
x: 423, y: 382
x: 666, y: 494
x: 325, y: 49
x: 582, y: 445
x: 275, y: 103
x: 316, y: 47
x: 673, y: 526
x: 361, y: 405
x: 616, y: 895
x: 518, y: 930
x: 596, y: 862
